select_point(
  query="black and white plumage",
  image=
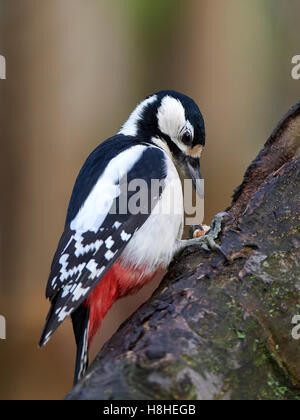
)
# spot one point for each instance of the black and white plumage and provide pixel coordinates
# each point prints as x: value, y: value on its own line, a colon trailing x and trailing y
x: 164, y: 134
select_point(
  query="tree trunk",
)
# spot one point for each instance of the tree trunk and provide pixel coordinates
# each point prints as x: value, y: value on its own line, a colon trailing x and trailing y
x: 217, y: 329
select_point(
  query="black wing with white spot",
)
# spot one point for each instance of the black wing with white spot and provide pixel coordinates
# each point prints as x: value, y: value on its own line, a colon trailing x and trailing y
x: 93, y: 240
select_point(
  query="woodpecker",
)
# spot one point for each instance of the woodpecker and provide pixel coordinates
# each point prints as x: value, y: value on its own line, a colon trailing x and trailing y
x: 104, y: 255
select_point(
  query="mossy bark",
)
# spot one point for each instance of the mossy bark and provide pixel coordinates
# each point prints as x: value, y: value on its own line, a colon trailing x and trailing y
x: 218, y: 329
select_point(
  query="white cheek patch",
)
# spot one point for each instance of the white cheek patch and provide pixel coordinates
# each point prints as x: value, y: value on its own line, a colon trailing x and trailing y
x: 171, y: 117
x: 172, y: 122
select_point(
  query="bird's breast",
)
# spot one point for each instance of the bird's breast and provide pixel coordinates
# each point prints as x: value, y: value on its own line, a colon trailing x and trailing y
x: 153, y: 245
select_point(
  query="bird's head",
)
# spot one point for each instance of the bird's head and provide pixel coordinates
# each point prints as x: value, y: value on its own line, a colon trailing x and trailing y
x: 173, y: 122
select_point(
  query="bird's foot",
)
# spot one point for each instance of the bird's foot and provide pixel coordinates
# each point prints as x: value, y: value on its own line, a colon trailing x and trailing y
x: 196, y: 231
x: 207, y: 241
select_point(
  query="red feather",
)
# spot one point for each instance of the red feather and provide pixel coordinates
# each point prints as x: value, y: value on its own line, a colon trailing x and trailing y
x: 119, y: 281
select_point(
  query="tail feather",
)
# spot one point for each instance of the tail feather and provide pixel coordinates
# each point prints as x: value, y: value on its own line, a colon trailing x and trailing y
x: 48, y: 329
x: 80, y: 320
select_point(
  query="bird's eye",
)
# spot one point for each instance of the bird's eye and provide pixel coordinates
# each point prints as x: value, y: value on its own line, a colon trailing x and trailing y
x: 187, y: 138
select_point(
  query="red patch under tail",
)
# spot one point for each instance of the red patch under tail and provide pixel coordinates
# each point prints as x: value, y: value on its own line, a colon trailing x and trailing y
x: 117, y: 282
x: 100, y: 301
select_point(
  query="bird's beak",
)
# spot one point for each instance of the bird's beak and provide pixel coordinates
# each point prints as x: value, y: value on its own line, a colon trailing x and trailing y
x: 192, y: 166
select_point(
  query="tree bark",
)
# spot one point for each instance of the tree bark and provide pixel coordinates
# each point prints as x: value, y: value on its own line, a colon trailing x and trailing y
x: 217, y: 329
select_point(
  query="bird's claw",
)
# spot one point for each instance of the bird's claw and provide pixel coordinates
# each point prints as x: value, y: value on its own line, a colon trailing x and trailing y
x: 207, y: 241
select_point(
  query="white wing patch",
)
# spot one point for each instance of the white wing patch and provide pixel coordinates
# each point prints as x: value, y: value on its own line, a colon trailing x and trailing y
x: 79, y: 291
x: 116, y: 225
x: 92, y: 266
x: 125, y: 236
x: 97, y: 205
x: 69, y: 288
x: 109, y: 255
x: 80, y: 249
x: 64, y: 273
x: 109, y: 242
x: 63, y: 313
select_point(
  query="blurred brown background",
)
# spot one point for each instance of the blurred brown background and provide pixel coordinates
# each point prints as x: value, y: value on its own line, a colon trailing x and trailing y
x: 75, y: 70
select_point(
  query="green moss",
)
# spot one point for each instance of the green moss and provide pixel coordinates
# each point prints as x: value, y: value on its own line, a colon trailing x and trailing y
x: 278, y: 390
x: 241, y: 335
